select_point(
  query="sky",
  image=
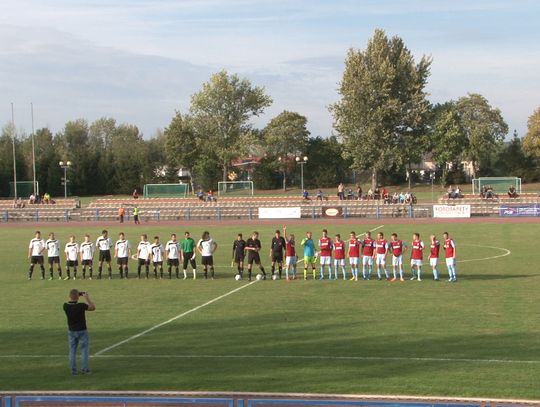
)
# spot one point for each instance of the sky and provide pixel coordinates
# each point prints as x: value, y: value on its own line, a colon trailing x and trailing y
x: 139, y: 61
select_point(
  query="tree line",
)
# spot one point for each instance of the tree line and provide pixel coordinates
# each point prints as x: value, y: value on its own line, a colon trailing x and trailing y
x: 383, y: 121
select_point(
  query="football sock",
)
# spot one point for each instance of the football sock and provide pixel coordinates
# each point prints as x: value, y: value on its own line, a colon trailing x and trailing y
x: 75, y: 272
x: 51, y: 272
x: 194, y: 274
x: 280, y: 269
x: 212, y: 271
x: 273, y: 269
x: 262, y: 270
x: 419, y: 272
x: 330, y: 272
x: 379, y: 273
x: 139, y: 271
x: 249, y: 273
x: 401, y: 272
x: 205, y: 272
x: 314, y: 272
x: 435, y: 274
x: 84, y: 272
x: 386, y: 273
x: 169, y: 269
x: 344, y: 271
x: 126, y: 271
x: 177, y: 272
x: 59, y: 272
x: 394, y: 271
x: 364, y: 273
x: 322, y: 273
x: 185, y: 274
x: 305, y: 273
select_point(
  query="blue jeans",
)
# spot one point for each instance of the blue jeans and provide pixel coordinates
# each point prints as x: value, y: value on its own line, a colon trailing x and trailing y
x: 74, y: 338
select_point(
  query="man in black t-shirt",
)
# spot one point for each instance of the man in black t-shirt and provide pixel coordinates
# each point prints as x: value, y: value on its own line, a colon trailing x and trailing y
x: 253, y: 246
x: 276, y: 252
x: 77, y: 333
x: 238, y: 253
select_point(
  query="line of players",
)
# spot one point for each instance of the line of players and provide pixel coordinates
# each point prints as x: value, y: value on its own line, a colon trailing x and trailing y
x: 147, y: 253
x: 333, y: 253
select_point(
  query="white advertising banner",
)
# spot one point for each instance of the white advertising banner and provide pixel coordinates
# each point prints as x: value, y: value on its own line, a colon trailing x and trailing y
x: 293, y: 212
x: 451, y: 211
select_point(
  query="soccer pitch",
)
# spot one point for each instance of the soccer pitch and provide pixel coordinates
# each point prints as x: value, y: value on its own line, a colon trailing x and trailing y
x: 478, y: 337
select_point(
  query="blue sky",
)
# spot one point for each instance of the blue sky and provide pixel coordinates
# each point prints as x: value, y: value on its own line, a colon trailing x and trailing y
x: 140, y: 60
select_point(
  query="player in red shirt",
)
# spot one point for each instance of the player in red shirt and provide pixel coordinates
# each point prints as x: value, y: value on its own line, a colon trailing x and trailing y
x: 368, y: 250
x: 398, y: 247
x: 354, y: 255
x: 381, y: 249
x: 417, y: 255
x: 450, y: 254
x: 290, y: 255
x: 339, y: 257
x: 325, y: 246
x: 434, y: 256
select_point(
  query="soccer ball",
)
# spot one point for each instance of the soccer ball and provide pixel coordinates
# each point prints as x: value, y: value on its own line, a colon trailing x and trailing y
x: 259, y: 277
x: 237, y: 277
x: 275, y: 277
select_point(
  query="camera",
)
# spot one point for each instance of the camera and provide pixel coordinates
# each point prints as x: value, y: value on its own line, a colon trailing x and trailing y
x: 81, y: 293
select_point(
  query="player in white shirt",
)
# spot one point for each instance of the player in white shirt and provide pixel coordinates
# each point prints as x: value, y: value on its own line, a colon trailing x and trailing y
x: 122, y: 252
x: 72, y: 254
x: 206, y: 247
x: 87, y: 256
x: 53, y: 255
x: 157, y: 256
x: 144, y: 254
x: 172, y: 252
x: 35, y: 254
x: 104, y: 244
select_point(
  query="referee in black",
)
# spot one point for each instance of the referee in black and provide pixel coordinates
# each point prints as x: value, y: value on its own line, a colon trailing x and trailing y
x: 253, y: 246
x: 239, y: 253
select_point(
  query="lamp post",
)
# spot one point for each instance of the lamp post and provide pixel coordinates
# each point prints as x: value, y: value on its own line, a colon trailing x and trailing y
x: 302, y: 161
x: 283, y: 163
x: 432, y: 177
x: 65, y: 165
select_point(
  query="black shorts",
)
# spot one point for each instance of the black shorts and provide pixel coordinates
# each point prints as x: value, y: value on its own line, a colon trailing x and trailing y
x: 87, y: 263
x: 122, y: 261
x: 36, y: 260
x: 188, y: 260
x: 277, y: 257
x: 207, y: 260
x: 173, y: 262
x: 54, y: 259
x: 158, y: 263
x: 253, y: 257
x: 72, y: 263
x: 105, y: 255
x: 143, y: 262
x: 239, y: 257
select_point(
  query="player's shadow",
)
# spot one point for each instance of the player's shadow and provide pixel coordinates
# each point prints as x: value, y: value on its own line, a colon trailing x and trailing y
x: 495, y: 276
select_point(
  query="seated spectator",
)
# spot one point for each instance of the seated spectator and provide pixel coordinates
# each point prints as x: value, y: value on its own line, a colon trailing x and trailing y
x: 370, y: 194
x: 135, y: 194
x: 512, y: 192
x: 350, y: 194
x: 32, y: 199
x: 210, y: 196
x: 395, y: 198
x: 377, y: 194
x: 408, y: 198
x: 457, y: 193
x: 450, y: 191
x: 320, y: 195
x: 305, y: 195
x: 386, y: 197
x: 489, y: 192
x: 46, y: 198
x: 19, y: 203
x: 401, y: 197
x: 200, y: 194
x: 358, y: 192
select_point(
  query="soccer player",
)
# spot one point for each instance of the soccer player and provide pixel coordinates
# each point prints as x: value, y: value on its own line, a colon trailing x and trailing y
x: 87, y: 256
x: 207, y: 247
x: 276, y: 252
x: 325, y: 247
x: 144, y: 254
x: 72, y: 251
x: 450, y: 254
x: 309, y: 254
x: 239, y: 253
x: 122, y: 252
x: 35, y: 254
x: 187, y: 247
x: 157, y: 256
x: 53, y: 255
x: 381, y: 251
x: 398, y: 247
x: 434, y: 256
x: 417, y: 255
x: 290, y: 254
x: 354, y: 255
x: 104, y: 244
x: 171, y: 251
x: 368, y: 249
x: 253, y: 247
x: 339, y: 257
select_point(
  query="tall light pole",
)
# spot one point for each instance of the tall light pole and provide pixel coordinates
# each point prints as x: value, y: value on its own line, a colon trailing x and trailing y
x: 283, y: 162
x: 302, y: 161
x: 14, y: 158
x: 65, y: 165
x: 36, y: 190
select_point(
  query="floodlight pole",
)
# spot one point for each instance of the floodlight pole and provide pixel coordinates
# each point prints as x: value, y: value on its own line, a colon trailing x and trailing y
x: 36, y: 190
x: 14, y: 160
x: 65, y: 165
x: 302, y: 161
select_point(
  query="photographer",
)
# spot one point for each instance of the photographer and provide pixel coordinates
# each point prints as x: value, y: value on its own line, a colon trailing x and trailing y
x: 77, y: 333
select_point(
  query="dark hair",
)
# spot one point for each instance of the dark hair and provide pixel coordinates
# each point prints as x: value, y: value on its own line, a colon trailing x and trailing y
x: 338, y: 235
x: 156, y: 237
x: 205, y: 234
x: 325, y: 231
x: 104, y: 231
x: 394, y: 234
x: 277, y: 231
x: 239, y: 234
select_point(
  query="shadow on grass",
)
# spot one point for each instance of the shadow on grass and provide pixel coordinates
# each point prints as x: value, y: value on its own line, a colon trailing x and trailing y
x: 495, y: 276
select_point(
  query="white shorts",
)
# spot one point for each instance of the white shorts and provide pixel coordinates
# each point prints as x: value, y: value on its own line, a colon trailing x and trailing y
x: 353, y: 261
x: 339, y: 262
x: 381, y: 259
x: 397, y: 260
x: 450, y: 261
x: 291, y: 260
x: 367, y: 260
x: 433, y: 261
x: 416, y: 262
x: 326, y: 260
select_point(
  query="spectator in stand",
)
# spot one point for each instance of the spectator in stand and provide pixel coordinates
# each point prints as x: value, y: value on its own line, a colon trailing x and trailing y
x: 341, y: 191
x: 377, y: 193
x: 457, y: 193
x: 401, y: 197
x: 450, y: 192
x: 358, y: 192
x: 46, y: 198
x: 121, y: 213
x: 200, y: 194
x: 512, y: 192
x: 210, y: 196
x: 350, y: 194
x: 370, y: 194
x: 32, y: 199
x: 135, y: 194
x: 489, y: 192
x: 395, y: 198
x: 19, y: 203
x: 319, y: 195
x: 386, y: 196
x: 305, y: 195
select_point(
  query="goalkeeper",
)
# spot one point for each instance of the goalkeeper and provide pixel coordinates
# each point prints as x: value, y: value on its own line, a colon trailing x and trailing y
x: 309, y: 254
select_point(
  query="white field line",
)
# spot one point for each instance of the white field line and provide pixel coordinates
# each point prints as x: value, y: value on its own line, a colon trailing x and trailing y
x: 377, y: 228
x: 172, y: 319
x: 301, y: 357
x: 506, y: 253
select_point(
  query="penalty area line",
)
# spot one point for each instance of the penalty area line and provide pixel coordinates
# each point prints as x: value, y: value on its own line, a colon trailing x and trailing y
x: 153, y: 328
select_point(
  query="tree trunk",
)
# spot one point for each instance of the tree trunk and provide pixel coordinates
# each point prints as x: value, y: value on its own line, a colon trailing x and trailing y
x: 410, y: 173
x: 225, y: 171
x: 284, y: 181
x: 374, y: 179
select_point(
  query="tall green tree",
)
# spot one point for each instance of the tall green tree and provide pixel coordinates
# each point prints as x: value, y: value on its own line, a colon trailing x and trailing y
x: 128, y: 154
x: 484, y: 127
x: 285, y: 137
x: 221, y: 111
x: 326, y: 166
x: 383, y: 110
x: 531, y: 141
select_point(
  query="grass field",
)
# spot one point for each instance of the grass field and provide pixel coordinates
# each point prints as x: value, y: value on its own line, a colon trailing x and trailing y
x: 479, y: 337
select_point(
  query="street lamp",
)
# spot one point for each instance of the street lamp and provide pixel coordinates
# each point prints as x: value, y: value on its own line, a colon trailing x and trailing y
x: 65, y: 165
x: 302, y: 161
